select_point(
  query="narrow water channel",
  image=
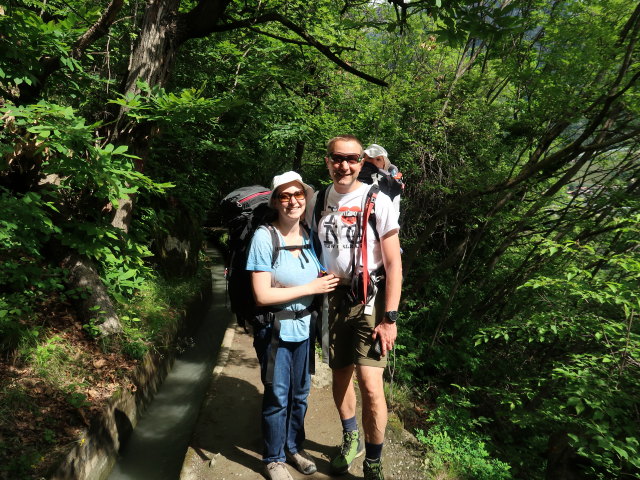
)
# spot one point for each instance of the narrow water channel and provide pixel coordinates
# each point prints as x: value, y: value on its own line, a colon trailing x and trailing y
x: 159, y: 442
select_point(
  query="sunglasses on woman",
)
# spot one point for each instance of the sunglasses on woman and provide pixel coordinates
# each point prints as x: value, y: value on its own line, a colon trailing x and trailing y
x: 285, y: 197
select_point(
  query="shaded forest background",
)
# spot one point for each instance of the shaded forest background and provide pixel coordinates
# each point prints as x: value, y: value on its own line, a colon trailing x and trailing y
x: 514, y: 122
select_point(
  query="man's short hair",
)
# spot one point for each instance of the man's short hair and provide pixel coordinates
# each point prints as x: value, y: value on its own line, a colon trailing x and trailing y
x: 345, y: 138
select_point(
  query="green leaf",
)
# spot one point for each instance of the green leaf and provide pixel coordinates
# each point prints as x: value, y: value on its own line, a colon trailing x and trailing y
x: 120, y: 150
x: 622, y: 452
x: 573, y: 401
x: 127, y: 274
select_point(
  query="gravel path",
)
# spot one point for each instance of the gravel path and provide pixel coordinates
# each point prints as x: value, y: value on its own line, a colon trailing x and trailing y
x: 226, y: 443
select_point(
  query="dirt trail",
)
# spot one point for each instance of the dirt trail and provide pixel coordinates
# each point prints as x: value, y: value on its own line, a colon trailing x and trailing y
x: 226, y: 442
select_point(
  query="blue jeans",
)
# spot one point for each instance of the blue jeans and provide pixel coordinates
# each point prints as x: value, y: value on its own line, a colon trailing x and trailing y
x: 284, y: 404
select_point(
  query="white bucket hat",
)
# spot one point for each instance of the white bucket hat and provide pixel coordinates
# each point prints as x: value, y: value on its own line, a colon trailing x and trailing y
x: 288, y: 177
x: 375, y: 150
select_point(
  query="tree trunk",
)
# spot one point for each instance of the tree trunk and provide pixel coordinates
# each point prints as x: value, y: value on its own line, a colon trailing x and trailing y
x: 162, y: 32
x: 96, y: 305
x: 150, y: 62
x: 297, y: 159
x: 561, y: 459
x: 154, y: 54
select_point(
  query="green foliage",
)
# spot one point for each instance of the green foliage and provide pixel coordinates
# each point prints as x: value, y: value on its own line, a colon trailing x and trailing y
x: 136, y: 343
x: 25, y: 225
x: 75, y: 171
x: 406, y: 357
x: 49, y: 357
x: 92, y: 328
x: 155, y: 310
x: 569, y: 332
x: 520, y: 300
x: 13, y: 329
x: 566, y: 360
x: 25, y: 37
x: 77, y: 399
x: 70, y: 152
x: 455, y: 448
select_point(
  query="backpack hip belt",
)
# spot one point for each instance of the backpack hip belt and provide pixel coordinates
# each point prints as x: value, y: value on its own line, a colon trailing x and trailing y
x: 277, y: 317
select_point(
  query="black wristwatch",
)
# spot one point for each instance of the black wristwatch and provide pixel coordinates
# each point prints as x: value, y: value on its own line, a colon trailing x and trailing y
x: 391, y: 315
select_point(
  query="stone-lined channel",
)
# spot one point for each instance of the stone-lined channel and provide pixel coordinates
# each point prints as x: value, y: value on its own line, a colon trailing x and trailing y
x: 156, y: 448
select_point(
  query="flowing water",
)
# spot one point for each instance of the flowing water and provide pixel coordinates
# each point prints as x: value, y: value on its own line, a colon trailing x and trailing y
x: 159, y: 442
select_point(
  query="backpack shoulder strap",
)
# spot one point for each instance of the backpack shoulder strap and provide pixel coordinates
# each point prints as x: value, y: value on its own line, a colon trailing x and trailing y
x: 277, y: 246
x: 369, y: 205
x: 275, y: 241
x: 372, y: 194
x: 319, y: 207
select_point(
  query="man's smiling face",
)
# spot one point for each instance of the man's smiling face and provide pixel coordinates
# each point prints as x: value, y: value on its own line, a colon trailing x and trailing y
x: 344, y: 165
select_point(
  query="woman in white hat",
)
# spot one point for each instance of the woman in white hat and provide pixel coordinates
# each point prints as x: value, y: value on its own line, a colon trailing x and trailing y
x: 289, y: 287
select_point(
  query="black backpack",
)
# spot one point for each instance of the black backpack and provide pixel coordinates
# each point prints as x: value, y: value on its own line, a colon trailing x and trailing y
x: 389, y: 184
x: 244, y: 210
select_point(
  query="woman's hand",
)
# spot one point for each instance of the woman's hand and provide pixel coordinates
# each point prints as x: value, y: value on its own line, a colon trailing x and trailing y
x: 325, y: 284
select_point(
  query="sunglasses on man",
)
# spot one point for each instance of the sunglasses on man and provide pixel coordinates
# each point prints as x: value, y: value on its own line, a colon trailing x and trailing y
x: 285, y: 197
x: 351, y: 159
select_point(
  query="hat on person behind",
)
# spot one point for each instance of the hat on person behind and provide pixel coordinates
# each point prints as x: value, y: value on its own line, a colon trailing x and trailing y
x: 375, y: 150
x: 285, y: 178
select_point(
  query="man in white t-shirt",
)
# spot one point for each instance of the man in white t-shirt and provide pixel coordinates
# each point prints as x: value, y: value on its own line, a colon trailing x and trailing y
x: 361, y: 330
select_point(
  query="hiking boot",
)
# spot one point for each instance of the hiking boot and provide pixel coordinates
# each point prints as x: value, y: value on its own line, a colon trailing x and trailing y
x: 278, y: 471
x: 372, y: 470
x: 352, y: 447
x: 302, y: 462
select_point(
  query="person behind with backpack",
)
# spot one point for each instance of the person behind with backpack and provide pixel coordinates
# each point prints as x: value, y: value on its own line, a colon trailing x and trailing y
x: 379, y: 169
x: 283, y: 346
x: 365, y: 256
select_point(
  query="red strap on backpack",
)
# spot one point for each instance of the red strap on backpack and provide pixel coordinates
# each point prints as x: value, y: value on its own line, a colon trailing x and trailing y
x: 365, y: 224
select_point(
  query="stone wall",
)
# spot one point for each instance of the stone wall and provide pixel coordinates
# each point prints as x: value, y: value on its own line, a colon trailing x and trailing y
x: 96, y: 451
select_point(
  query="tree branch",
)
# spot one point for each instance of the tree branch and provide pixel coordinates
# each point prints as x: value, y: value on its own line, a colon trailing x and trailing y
x: 278, y: 37
x: 98, y: 29
x: 51, y: 64
x: 296, y: 42
x: 326, y: 51
x: 204, y: 19
x: 195, y: 26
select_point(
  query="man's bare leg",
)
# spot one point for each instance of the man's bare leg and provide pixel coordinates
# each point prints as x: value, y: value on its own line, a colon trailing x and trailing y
x: 374, y: 404
x: 344, y: 394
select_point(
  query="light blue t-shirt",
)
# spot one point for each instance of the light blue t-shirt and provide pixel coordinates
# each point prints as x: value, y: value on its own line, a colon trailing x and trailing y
x: 288, y: 271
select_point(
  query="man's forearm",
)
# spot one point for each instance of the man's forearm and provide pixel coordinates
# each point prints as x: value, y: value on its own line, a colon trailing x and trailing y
x: 392, y: 259
x: 393, y: 286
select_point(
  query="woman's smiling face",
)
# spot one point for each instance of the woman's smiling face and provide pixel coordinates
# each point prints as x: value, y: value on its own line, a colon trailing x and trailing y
x: 290, y: 201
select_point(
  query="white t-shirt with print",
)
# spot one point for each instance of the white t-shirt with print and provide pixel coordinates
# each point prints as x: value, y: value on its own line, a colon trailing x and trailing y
x: 337, y: 229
